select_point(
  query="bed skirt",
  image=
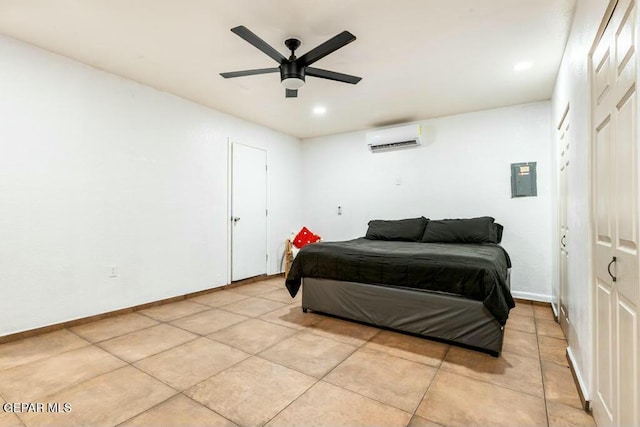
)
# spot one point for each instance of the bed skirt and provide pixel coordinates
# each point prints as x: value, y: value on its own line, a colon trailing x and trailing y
x: 439, y: 316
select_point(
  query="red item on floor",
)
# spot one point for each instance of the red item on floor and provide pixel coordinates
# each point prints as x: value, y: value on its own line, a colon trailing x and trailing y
x: 304, y: 237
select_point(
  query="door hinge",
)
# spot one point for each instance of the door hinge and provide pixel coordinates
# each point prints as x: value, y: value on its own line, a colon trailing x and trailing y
x: 266, y: 211
x: 266, y: 257
x: 266, y: 168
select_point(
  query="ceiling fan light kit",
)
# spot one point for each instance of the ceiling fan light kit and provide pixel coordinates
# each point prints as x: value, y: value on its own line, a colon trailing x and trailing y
x: 292, y: 83
x: 293, y: 70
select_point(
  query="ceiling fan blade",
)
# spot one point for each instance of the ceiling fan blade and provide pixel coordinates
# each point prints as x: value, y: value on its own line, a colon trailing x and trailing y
x: 249, y: 72
x: 292, y: 93
x: 244, y: 32
x: 332, y: 75
x: 331, y: 45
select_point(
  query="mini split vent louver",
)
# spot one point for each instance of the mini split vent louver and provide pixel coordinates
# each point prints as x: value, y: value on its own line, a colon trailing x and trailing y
x: 394, y: 138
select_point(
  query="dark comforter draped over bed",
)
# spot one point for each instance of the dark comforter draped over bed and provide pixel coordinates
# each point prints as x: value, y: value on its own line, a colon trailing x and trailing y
x: 475, y: 271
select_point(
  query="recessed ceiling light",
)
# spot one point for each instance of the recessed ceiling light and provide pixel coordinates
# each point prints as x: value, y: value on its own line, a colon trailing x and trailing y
x: 319, y: 110
x: 521, y: 66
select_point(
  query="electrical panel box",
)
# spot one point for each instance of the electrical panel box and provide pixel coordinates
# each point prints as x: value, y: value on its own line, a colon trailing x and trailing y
x: 523, y: 179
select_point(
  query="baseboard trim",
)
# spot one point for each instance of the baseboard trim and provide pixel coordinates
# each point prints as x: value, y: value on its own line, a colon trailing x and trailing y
x: 577, y: 378
x: 81, y: 321
x: 531, y: 296
x: 253, y: 279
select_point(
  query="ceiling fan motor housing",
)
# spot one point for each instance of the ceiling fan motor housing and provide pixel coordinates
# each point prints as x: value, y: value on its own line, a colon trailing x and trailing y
x: 291, y: 70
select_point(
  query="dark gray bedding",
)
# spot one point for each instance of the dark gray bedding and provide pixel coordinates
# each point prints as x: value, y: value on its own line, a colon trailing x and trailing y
x: 475, y: 271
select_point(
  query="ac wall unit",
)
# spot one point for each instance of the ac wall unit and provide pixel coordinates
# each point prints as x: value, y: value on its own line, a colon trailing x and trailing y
x: 394, y: 138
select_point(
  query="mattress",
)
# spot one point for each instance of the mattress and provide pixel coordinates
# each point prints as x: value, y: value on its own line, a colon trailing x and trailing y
x: 474, y: 271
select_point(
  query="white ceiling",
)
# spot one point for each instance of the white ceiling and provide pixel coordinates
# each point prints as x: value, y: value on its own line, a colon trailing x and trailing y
x: 418, y: 58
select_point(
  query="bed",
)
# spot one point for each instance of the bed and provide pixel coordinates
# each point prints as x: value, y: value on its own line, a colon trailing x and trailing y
x: 456, y: 290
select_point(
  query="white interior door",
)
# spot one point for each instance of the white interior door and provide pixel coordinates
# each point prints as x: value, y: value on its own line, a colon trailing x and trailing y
x: 248, y: 211
x: 563, y: 235
x: 615, y: 190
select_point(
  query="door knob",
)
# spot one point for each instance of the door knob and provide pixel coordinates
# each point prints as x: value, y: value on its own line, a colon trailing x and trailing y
x: 235, y: 219
x: 609, y: 269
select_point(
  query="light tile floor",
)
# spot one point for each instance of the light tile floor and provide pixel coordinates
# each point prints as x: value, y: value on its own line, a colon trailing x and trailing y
x: 249, y: 356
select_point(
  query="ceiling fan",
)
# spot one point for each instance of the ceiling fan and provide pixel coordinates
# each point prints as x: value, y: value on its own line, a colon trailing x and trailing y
x: 294, y: 70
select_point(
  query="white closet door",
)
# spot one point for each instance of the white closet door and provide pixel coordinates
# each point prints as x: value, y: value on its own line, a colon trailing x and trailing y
x: 615, y: 190
x: 563, y: 232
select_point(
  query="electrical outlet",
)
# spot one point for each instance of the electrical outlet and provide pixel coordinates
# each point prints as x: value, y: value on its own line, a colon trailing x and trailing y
x: 112, y: 270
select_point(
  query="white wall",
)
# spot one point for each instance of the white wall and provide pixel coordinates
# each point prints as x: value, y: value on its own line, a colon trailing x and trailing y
x: 572, y: 86
x: 96, y: 170
x: 462, y: 170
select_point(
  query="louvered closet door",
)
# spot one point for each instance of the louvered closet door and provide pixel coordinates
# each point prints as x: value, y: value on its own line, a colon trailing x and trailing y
x: 615, y: 197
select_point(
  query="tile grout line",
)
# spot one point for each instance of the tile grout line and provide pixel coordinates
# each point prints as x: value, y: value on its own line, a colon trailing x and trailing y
x: 323, y: 317
x: 148, y: 409
x: 250, y: 316
x: 209, y: 333
x: 221, y: 307
x: 22, y: 423
x: 51, y: 355
x: 488, y: 382
x: 168, y: 322
x: 368, y: 397
x: 297, y: 331
x: 150, y: 355
x: 294, y: 400
x: 430, y: 384
x: 205, y: 335
x: 407, y: 359
x: 362, y: 345
x: 17, y: 416
x: 213, y: 375
x: 62, y: 390
x: 77, y: 383
x: 96, y: 344
x: 198, y: 336
x: 497, y: 385
x: 178, y: 391
x: 206, y: 308
x: 321, y: 378
x: 244, y: 351
x: 205, y: 406
x: 115, y: 336
x: 544, y: 389
x: 275, y: 323
x: 297, y: 370
x: 175, y: 389
x: 126, y: 363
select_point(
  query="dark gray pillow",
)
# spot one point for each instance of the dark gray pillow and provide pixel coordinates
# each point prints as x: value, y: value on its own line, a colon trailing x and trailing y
x: 471, y: 230
x: 409, y: 230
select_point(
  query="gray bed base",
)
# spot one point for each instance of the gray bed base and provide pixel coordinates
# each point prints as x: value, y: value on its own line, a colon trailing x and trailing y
x: 443, y: 317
